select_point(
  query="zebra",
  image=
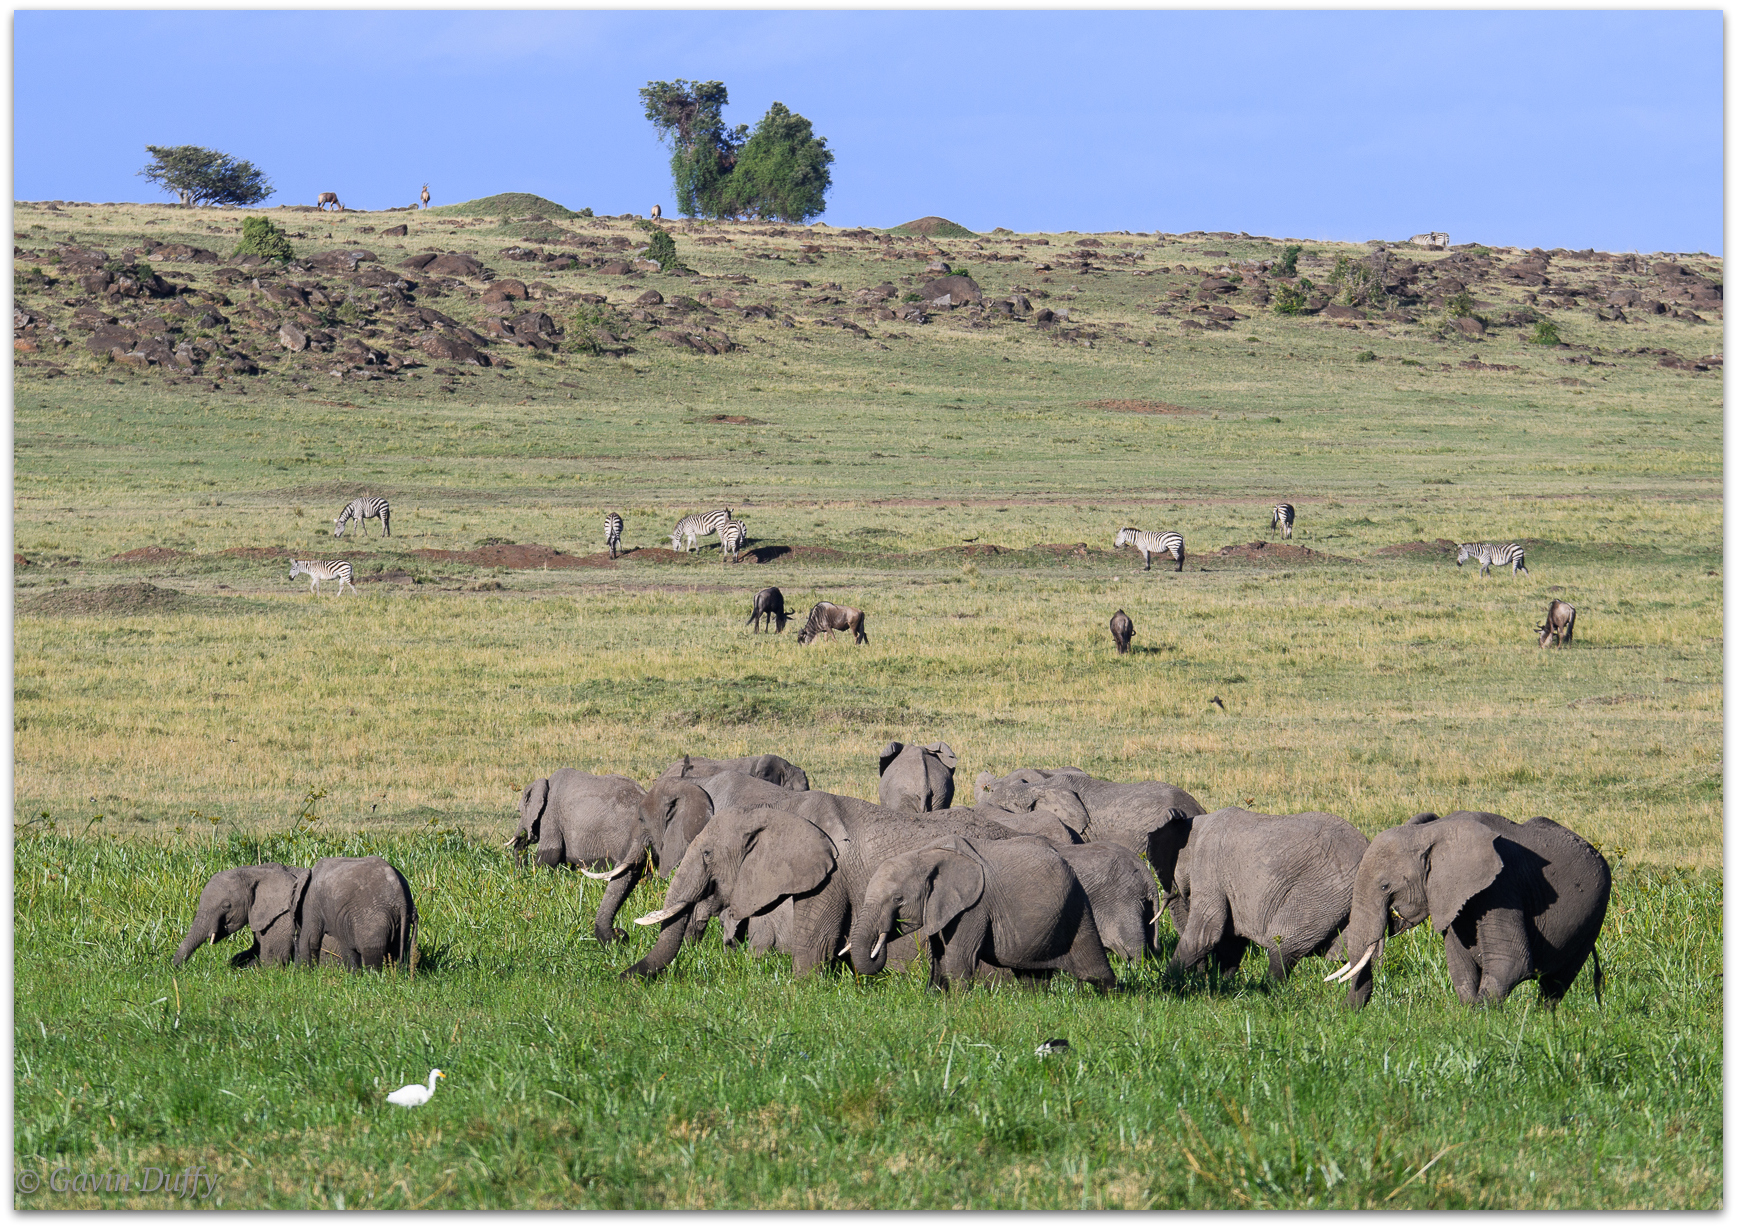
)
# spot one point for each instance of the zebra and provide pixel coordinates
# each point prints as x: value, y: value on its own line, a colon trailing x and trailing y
x: 340, y: 571
x: 1284, y: 516
x: 361, y: 511
x: 1500, y: 556
x: 702, y: 524
x: 731, y: 538
x: 612, y: 533
x: 1149, y: 544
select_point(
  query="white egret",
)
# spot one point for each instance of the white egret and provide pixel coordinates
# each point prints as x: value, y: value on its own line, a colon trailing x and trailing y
x: 414, y: 1094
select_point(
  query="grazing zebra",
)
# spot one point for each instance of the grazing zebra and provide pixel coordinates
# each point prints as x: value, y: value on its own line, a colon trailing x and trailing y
x: 1284, y: 516
x: 340, y: 571
x: 732, y: 537
x: 1149, y: 544
x: 702, y: 524
x: 612, y: 533
x: 1488, y: 554
x: 361, y: 511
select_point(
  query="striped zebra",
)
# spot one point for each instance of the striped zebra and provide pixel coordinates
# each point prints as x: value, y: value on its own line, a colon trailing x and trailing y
x: 1284, y: 516
x: 361, y: 511
x: 1149, y: 544
x: 732, y: 537
x: 1500, y: 556
x: 701, y: 524
x: 612, y: 533
x: 340, y: 571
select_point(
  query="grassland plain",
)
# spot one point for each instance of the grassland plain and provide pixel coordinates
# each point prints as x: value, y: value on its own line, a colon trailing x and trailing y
x: 177, y: 700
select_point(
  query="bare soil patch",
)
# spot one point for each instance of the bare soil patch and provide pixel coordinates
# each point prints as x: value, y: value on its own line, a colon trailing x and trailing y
x: 395, y: 576
x: 136, y: 598
x: 1077, y: 550
x: 527, y: 557
x: 735, y: 420
x: 149, y: 554
x: 1142, y: 407
x: 1440, y: 545
x: 1276, y: 552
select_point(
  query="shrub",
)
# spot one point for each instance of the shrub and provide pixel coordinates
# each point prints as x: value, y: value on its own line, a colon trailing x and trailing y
x: 1544, y: 333
x: 1366, y: 356
x: 1286, y: 265
x: 589, y: 320
x: 661, y: 248
x: 1289, y: 300
x: 261, y: 238
x: 960, y: 272
x: 1461, y: 304
x: 585, y: 212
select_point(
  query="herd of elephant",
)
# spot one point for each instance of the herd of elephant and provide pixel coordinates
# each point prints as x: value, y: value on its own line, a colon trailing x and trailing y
x: 1048, y: 870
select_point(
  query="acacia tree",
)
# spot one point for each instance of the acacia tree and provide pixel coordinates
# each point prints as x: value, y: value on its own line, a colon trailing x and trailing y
x: 778, y: 171
x: 782, y: 170
x: 204, y: 176
x: 688, y: 116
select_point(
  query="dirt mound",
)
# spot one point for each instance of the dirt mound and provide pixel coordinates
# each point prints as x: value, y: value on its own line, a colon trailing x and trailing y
x: 140, y: 597
x: 936, y: 228
x: 1077, y: 550
x: 735, y: 420
x: 506, y: 204
x: 1141, y: 407
x: 528, y: 557
x: 1440, y: 545
x: 148, y: 554
x: 395, y: 576
x: 1275, y: 552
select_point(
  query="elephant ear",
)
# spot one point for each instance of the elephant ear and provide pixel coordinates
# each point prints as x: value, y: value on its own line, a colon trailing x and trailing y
x: 276, y: 891
x: 1065, y: 805
x: 955, y: 884
x: 1424, y: 816
x: 889, y: 752
x: 944, y: 753
x: 1460, y: 861
x: 532, y: 803
x: 786, y: 855
x: 687, y: 765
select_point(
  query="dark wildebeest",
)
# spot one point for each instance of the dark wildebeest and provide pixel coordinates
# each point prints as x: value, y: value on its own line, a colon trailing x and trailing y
x: 1121, y: 630
x: 331, y: 198
x: 1558, y: 623
x: 832, y: 619
x: 768, y: 604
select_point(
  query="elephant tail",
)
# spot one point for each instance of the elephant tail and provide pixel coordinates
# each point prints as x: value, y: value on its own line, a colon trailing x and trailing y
x: 1597, y: 977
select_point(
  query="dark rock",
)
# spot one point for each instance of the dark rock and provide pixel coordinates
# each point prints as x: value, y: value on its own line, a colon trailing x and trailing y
x: 651, y: 298
x: 506, y: 290
x: 1470, y: 326
x: 455, y: 264
x: 450, y: 349
x: 959, y: 290
x: 421, y: 261
x: 615, y: 268
x: 1333, y: 311
x: 110, y: 338
x: 395, y: 232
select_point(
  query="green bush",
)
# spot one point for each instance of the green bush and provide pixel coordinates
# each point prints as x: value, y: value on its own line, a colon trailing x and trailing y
x: 585, y: 212
x: 1290, y: 300
x: 912, y: 297
x: 1286, y: 265
x: 661, y: 248
x: 961, y: 272
x: 589, y: 320
x: 1366, y: 356
x: 1544, y: 333
x: 261, y: 238
x: 1461, y: 304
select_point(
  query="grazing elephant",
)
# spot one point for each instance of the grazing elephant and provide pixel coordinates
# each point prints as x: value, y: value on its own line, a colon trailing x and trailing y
x: 816, y: 849
x: 1512, y: 901
x: 1121, y: 631
x: 1558, y: 624
x: 1007, y: 904
x: 917, y: 777
x: 1098, y: 810
x: 1282, y: 881
x: 832, y: 619
x: 1125, y: 902
x: 358, y: 909
x: 768, y: 605
x: 773, y: 768
x: 594, y: 823
x: 265, y: 899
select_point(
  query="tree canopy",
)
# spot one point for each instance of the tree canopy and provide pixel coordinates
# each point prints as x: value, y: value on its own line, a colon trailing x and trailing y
x: 777, y: 171
x: 205, y: 176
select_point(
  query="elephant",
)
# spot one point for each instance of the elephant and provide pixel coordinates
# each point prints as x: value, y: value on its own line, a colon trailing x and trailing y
x: 594, y: 823
x: 358, y: 909
x: 1512, y: 901
x: 264, y: 898
x: 1098, y: 810
x: 1282, y: 881
x: 817, y: 849
x: 1125, y: 902
x: 774, y: 768
x: 1004, y: 904
x: 917, y: 777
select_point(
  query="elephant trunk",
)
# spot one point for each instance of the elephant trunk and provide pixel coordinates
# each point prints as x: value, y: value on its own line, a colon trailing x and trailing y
x: 872, y: 929
x: 1364, y: 933
x: 690, y: 884
x: 204, y: 930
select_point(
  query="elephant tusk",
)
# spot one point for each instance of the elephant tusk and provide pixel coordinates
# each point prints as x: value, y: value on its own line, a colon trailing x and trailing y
x: 1351, y: 970
x: 879, y: 943
x: 651, y: 918
x: 845, y: 949
x: 621, y: 869
x: 595, y: 873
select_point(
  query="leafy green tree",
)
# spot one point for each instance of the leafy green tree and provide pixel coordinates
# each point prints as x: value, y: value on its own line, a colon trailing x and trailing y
x: 204, y: 176
x: 777, y: 171
x: 1287, y: 263
x: 689, y: 118
x: 781, y: 171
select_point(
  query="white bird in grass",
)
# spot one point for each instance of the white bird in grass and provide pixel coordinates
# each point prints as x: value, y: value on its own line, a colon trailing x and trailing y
x: 414, y: 1094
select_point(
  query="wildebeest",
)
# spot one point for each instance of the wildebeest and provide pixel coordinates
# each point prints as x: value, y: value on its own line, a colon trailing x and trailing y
x: 768, y: 604
x: 425, y: 196
x: 832, y: 619
x: 1121, y: 630
x: 331, y: 198
x: 1558, y: 623
x: 1434, y: 238
x: 656, y: 212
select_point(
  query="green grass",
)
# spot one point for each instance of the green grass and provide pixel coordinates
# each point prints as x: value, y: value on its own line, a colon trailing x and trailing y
x: 154, y: 743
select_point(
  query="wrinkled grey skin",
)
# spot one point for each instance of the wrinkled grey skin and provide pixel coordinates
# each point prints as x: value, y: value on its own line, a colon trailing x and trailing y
x: 768, y: 605
x: 1282, y: 881
x: 593, y: 822
x: 1097, y: 810
x: 1125, y: 902
x: 1007, y: 904
x: 917, y: 777
x: 264, y: 898
x: 774, y: 768
x: 1121, y: 631
x: 1512, y: 901
x: 359, y: 910
x: 816, y: 849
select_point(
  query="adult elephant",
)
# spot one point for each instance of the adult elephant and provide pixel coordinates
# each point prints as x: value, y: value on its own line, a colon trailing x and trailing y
x: 815, y: 849
x: 263, y: 898
x: 917, y: 777
x: 358, y: 909
x: 1010, y: 905
x: 1117, y: 812
x: 1512, y: 901
x: 594, y: 823
x: 1282, y: 881
x: 773, y: 768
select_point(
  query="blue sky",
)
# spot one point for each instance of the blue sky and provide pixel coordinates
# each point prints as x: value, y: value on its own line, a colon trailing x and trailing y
x: 1551, y: 129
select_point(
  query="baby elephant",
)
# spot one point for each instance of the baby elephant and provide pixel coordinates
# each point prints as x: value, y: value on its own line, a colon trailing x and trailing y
x: 262, y: 898
x: 358, y: 909
x: 769, y: 605
x: 917, y: 777
x: 995, y: 907
x: 1558, y: 624
x: 1122, y: 631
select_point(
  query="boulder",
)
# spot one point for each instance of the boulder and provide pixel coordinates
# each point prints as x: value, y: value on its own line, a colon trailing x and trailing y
x: 959, y: 290
x: 533, y: 323
x: 421, y: 261
x: 455, y: 264
x: 1334, y: 311
x: 651, y: 298
x: 292, y: 338
x: 615, y: 268
x: 395, y: 232
x: 96, y: 283
x: 1469, y: 326
x: 110, y: 337
x: 450, y: 349
x: 343, y: 260
x: 507, y: 288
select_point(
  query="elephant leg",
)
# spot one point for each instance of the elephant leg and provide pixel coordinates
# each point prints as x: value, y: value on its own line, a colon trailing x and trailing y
x: 901, y: 951
x: 820, y: 923
x: 1463, y: 968
x: 613, y: 897
x: 1228, y: 954
x: 1207, y: 929
x: 1504, y: 953
x: 703, y: 912
x: 962, y: 949
x: 247, y: 958
x: 1278, y: 963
